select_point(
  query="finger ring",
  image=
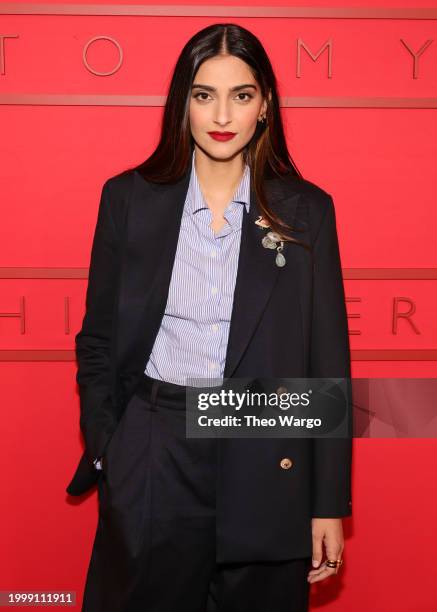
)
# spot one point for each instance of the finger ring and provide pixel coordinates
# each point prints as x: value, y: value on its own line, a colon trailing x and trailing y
x: 334, y: 563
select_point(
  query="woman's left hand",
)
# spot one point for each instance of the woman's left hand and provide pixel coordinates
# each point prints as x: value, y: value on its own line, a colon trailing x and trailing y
x: 327, y: 531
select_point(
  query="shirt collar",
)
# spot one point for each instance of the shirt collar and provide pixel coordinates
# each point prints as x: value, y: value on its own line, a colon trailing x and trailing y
x: 196, y: 201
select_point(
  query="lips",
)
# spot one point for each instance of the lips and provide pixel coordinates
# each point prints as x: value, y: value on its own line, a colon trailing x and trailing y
x: 222, y: 136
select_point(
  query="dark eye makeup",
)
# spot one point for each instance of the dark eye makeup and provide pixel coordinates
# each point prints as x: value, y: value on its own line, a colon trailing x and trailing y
x: 204, y: 93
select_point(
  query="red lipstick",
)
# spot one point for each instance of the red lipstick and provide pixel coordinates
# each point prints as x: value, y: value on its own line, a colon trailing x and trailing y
x: 222, y: 136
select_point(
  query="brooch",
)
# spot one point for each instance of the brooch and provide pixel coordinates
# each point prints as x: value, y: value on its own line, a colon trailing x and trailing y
x: 270, y: 241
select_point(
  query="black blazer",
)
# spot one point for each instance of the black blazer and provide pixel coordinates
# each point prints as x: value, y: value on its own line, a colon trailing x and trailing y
x: 286, y: 322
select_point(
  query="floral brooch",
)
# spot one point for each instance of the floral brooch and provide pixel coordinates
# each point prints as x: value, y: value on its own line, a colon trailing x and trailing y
x: 271, y: 240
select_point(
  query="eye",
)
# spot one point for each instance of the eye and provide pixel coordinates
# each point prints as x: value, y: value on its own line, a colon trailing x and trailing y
x: 201, y: 93
x: 245, y: 94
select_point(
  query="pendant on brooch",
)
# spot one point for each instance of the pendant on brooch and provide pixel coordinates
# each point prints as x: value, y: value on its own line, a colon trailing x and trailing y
x: 271, y: 240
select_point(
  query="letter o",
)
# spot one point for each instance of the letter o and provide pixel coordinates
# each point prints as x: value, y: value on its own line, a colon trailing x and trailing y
x: 96, y: 72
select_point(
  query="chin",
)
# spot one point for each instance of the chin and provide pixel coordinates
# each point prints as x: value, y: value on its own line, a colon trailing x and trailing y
x: 220, y: 152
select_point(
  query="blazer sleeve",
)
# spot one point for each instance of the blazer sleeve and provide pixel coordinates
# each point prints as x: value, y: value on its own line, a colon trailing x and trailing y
x: 330, y: 358
x: 94, y: 342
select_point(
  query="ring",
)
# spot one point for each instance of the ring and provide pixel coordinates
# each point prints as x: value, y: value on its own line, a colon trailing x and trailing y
x: 334, y: 563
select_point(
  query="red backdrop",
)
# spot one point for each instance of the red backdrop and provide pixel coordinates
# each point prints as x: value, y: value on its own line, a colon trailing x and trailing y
x: 361, y: 123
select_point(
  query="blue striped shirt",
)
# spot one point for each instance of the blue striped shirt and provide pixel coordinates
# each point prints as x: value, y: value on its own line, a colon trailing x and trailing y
x: 192, y: 340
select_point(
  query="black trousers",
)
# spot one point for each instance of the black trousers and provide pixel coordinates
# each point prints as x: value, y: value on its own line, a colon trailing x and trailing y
x: 154, y: 547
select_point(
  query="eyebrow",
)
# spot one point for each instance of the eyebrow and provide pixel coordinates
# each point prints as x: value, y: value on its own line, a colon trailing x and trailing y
x: 236, y: 88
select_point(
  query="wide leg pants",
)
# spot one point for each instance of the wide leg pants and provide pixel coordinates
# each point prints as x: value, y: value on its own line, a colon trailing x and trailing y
x: 154, y: 547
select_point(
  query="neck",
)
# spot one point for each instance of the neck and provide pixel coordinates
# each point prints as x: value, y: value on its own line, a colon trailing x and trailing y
x: 218, y: 178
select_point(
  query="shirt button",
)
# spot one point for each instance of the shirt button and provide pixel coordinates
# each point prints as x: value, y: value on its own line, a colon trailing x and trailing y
x: 213, y: 253
x: 214, y: 290
x: 214, y: 327
x: 212, y: 365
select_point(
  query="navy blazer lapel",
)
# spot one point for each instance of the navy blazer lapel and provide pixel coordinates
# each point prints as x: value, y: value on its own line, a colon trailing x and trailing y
x: 152, y: 232
x: 154, y: 223
x: 257, y: 275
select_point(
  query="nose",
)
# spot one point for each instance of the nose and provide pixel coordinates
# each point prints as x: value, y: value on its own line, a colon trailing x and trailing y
x: 222, y: 114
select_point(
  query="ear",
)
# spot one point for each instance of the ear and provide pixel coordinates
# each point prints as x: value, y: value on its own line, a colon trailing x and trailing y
x: 265, y: 103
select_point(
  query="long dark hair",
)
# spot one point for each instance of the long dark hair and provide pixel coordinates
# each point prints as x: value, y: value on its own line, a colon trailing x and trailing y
x: 266, y: 153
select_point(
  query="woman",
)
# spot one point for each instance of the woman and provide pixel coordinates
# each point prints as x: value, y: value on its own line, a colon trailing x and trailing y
x: 184, y: 287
